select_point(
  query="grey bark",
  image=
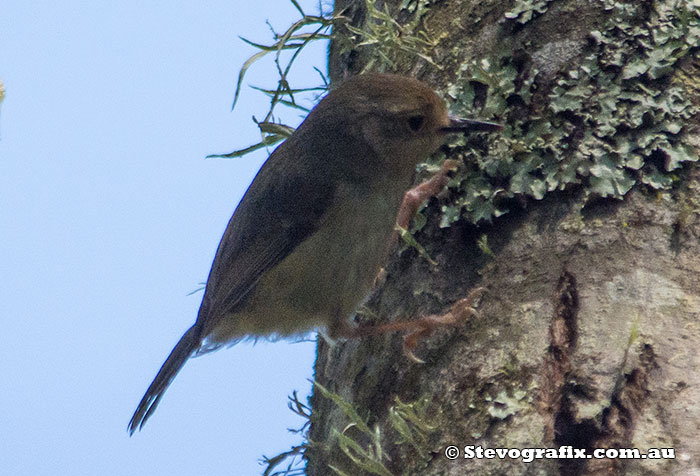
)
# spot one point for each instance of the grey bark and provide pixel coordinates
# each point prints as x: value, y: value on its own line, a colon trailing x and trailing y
x: 588, y: 333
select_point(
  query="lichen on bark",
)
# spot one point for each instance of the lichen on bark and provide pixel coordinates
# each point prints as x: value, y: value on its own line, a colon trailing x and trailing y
x: 588, y: 204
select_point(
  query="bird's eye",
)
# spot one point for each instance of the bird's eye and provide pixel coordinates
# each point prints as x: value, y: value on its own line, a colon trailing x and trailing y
x: 416, y: 122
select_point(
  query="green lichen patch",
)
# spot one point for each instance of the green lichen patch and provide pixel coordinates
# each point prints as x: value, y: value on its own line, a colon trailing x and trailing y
x: 618, y: 116
x: 615, y: 119
x: 504, y: 405
x: 525, y: 10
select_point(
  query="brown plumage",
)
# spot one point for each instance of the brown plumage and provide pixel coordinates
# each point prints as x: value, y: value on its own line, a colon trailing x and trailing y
x: 310, y: 234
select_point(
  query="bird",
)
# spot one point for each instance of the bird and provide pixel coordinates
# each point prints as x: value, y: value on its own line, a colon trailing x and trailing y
x: 307, y: 239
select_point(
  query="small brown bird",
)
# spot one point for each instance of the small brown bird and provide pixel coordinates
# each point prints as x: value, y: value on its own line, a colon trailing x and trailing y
x: 308, y: 238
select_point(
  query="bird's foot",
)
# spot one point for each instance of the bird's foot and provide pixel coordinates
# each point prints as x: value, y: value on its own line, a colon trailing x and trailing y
x: 458, y: 314
x: 421, y: 328
x: 423, y: 191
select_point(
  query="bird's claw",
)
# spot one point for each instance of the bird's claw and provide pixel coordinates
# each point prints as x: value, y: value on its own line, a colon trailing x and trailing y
x: 423, y: 191
x: 458, y: 314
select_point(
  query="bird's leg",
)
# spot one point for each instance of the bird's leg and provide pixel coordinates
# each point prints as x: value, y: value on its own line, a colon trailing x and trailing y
x: 423, y: 191
x: 457, y: 315
x: 415, y: 330
x: 420, y: 328
x: 413, y: 199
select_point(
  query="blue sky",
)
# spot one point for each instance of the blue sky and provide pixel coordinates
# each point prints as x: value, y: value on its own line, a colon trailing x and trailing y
x: 110, y: 215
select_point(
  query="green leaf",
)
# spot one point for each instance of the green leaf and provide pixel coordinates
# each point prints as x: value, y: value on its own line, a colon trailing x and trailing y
x: 276, y: 129
x: 243, y: 70
x: 267, y: 141
x: 411, y: 241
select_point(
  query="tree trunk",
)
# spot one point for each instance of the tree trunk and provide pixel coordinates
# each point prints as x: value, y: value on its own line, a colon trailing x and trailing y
x: 582, y: 222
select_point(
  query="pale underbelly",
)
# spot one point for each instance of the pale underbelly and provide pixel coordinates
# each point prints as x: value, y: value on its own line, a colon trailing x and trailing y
x: 322, y: 281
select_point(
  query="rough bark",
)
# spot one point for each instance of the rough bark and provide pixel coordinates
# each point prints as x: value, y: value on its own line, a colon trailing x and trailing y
x: 588, y: 333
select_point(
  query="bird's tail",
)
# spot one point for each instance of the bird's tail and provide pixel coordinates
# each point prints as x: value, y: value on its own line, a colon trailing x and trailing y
x: 187, y: 345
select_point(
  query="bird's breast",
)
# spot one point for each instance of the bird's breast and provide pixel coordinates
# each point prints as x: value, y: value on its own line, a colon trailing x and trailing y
x: 326, y: 276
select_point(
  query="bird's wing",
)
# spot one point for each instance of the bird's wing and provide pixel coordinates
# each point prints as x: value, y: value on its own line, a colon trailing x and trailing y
x: 283, y: 206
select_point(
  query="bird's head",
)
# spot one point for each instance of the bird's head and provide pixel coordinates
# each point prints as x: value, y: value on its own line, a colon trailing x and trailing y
x: 402, y: 119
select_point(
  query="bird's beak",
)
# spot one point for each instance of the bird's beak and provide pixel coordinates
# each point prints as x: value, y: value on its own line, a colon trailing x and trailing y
x: 458, y: 124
